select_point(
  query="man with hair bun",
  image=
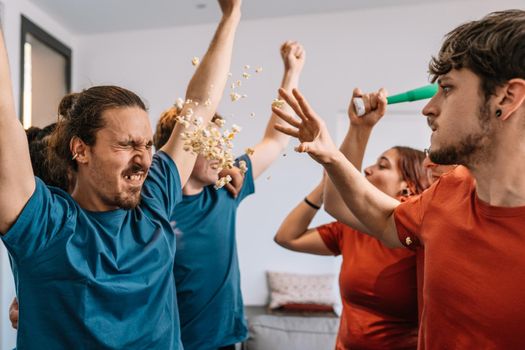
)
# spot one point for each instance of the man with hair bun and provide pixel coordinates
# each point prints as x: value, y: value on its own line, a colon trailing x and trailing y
x: 470, y: 223
x: 94, y: 269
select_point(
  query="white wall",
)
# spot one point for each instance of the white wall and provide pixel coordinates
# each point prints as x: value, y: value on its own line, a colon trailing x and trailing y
x: 11, y: 27
x: 379, y: 47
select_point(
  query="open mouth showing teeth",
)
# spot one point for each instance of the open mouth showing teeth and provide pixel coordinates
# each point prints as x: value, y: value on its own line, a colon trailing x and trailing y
x: 133, y: 177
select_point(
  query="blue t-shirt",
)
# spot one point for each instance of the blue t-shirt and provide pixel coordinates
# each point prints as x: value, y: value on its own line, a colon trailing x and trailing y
x: 207, y: 269
x: 98, y: 280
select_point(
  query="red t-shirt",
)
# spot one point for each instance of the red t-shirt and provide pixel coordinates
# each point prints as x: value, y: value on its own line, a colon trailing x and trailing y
x: 474, y: 270
x: 378, y: 290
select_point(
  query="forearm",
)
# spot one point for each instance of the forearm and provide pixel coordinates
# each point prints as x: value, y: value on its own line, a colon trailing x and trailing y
x: 354, y: 145
x: 289, y: 81
x: 205, y: 90
x: 353, y: 148
x: 274, y: 142
x: 373, y: 208
x: 298, y: 220
x: 294, y: 233
x: 209, y: 79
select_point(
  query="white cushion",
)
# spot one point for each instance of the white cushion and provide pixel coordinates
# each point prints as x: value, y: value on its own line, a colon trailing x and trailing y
x: 294, y: 288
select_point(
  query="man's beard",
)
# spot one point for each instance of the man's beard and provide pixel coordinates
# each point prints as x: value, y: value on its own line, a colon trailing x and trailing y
x: 472, y: 149
x: 130, y: 201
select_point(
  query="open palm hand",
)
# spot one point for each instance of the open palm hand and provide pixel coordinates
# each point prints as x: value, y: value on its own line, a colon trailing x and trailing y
x: 309, y: 129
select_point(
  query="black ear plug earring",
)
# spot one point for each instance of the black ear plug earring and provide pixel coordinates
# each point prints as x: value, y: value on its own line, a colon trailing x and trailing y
x: 498, y: 113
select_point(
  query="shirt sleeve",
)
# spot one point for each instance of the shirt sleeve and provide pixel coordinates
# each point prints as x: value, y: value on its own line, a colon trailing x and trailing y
x: 248, y: 186
x: 408, y: 217
x: 47, y: 216
x: 163, y: 185
x: 332, y: 236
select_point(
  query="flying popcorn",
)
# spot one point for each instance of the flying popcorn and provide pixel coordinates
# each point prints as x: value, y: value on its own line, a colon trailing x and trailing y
x: 223, y: 181
x: 246, y: 75
x: 236, y: 128
x: 207, y: 140
x: 179, y: 103
x: 195, y: 61
x: 243, y: 167
x: 184, y: 120
x: 197, y: 121
x: 219, y: 122
x: 278, y: 103
x: 247, y: 67
x: 234, y: 96
x: 249, y: 151
x: 258, y: 70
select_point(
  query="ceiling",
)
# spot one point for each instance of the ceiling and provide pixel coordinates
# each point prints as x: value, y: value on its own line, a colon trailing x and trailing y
x: 101, y: 16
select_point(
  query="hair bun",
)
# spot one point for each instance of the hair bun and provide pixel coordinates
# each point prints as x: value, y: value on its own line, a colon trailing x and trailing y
x: 67, y: 104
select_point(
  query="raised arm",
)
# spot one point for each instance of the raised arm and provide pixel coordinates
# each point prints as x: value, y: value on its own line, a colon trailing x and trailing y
x: 374, y: 208
x: 273, y: 142
x: 207, y: 84
x: 294, y: 233
x: 353, y: 148
x: 17, y: 182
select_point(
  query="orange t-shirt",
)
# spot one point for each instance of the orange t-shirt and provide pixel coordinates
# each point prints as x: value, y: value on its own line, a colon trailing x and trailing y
x: 378, y: 291
x: 474, y: 268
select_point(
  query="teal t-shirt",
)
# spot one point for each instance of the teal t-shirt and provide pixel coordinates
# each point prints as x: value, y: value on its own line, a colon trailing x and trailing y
x: 207, y: 269
x: 98, y: 280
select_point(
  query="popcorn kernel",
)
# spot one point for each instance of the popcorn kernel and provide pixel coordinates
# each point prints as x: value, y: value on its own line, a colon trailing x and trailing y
x: 278, y: 103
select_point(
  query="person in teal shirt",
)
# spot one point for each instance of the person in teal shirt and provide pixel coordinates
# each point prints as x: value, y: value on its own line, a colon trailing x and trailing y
x: 206, y: 267
x: 94, y: 268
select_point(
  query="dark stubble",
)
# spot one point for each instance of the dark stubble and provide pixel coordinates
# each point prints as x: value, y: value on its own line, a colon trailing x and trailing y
x: 472, y: 148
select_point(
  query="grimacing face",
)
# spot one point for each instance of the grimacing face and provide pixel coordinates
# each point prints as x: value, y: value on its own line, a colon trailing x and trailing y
x: 385, y: 173
x: 120, y: 159
x: 459, y: 116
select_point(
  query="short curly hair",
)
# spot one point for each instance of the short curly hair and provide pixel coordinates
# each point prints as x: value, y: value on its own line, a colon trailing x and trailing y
x: 492, y: 47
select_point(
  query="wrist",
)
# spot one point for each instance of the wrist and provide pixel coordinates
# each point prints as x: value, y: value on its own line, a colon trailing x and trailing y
x: 232, y: 15
x: 290, y: 79
x: 292, y: 72
x: 361, y: 128
x: 333, y: 159
x: 360, y: 133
